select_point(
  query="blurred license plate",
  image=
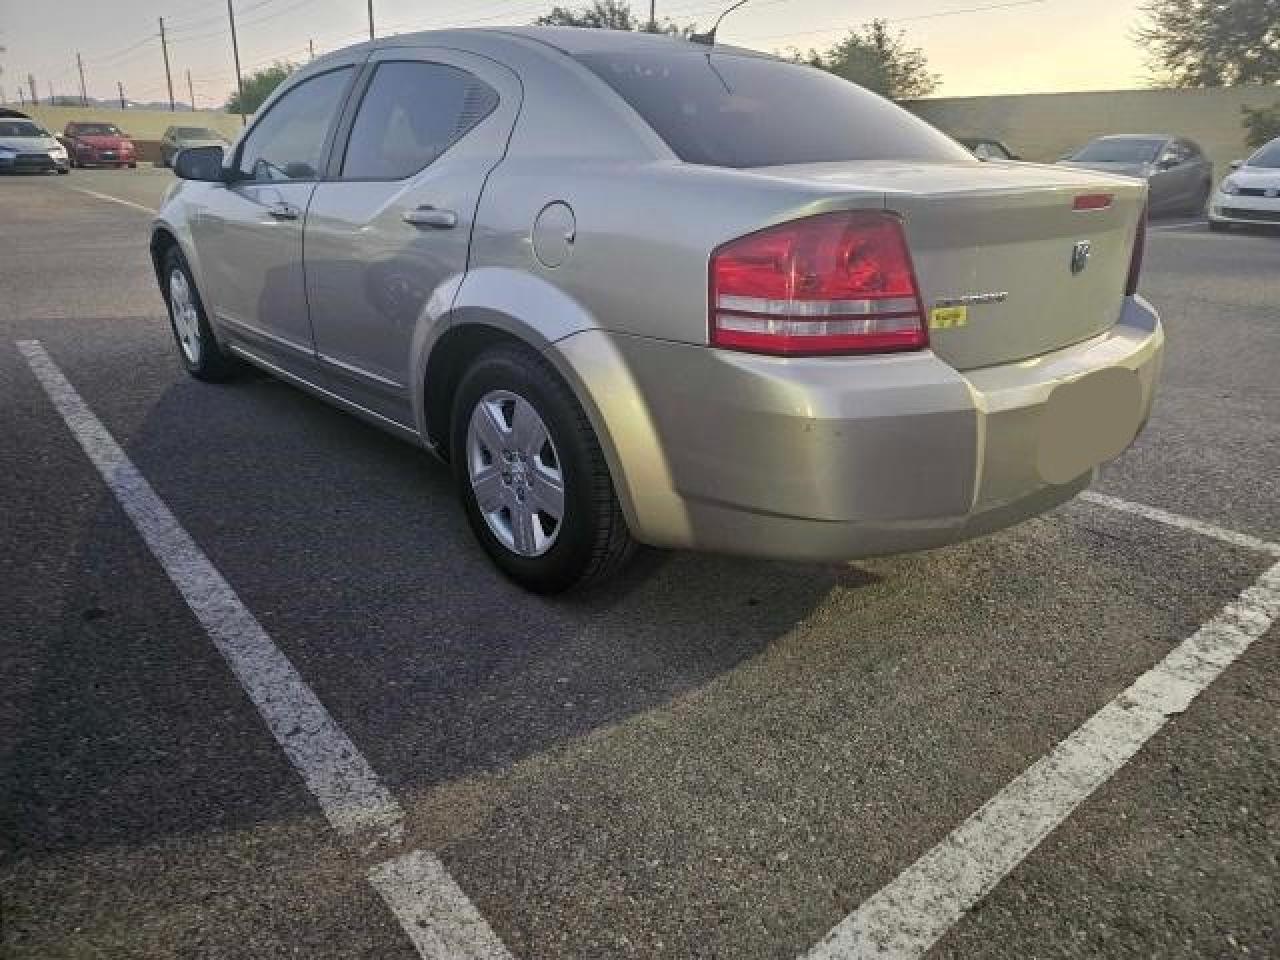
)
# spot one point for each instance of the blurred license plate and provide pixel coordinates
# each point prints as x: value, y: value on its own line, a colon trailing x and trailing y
x: 1088, y: 421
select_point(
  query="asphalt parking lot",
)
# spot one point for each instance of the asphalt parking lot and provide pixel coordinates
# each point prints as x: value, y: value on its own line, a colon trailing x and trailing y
x: 714, y: 757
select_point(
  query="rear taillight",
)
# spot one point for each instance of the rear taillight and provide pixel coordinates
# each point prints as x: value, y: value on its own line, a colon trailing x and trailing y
x: 829, y: 284
x: 1135, y: 262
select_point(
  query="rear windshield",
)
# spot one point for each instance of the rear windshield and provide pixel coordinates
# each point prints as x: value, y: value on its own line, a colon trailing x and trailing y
x: 741, y: 111
x: 1119, y: 151
x: 196, y: 133
x: 1268, y: 156
x: 20, y: 128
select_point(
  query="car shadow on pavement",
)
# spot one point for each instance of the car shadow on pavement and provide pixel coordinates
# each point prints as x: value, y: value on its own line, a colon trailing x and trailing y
x: 352, y: 551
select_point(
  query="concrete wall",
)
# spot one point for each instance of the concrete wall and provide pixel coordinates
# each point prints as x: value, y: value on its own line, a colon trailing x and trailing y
x: 146, y: 127
x: 1044, y: 126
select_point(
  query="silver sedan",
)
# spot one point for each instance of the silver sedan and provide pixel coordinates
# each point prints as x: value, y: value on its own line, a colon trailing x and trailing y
x: 641, y: 290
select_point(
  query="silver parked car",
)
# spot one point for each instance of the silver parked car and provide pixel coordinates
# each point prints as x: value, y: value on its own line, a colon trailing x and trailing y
x: 27, y: 147
x: 637, y: 289
x: 1178, y: 173
x: 1251, y: 194
x: 176, y: 139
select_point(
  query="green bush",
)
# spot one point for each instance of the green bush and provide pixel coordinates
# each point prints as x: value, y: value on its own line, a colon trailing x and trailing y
x: 1263, y: 124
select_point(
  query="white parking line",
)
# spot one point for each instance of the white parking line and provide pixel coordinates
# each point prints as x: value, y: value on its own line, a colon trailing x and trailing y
x: 1183, y: 523
x: 907, y: 917
x: 420, y: 892
x: 107, y: 196
x: 439, y: 919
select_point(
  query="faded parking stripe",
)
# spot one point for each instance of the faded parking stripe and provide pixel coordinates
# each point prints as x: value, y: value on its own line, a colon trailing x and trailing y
x: 435, y: 913
x: 906, y: 918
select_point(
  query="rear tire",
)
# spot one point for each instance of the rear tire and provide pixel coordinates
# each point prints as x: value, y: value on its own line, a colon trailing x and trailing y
x: 518, y: 433
x: 198, y: 350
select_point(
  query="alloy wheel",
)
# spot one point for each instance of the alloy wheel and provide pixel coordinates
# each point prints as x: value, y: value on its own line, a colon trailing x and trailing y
x: 186, y: 318
x: 515, y: 473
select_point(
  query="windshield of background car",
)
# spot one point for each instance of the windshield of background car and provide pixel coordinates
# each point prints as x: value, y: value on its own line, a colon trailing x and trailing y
x: 1268, y: 156
x: 196, y: 133
x: 20, y: 128
x: 739, y: 111
x: 96, y: 130
x: 1120, y: 151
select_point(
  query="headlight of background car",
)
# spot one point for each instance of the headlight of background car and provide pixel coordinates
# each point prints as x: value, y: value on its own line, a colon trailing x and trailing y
x: 58, y: 153
x: 1230, y: 186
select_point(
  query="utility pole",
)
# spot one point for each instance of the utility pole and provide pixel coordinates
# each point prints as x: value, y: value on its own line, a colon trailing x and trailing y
x: 51, y: 96
x: 168, y: 77
x: 653, y: 16
x: 35, y: 99
x: 120, y: 87
x: 311, y: 45
x: 191, y: 92
x: 370, y: 19
x: 22, y: 98
x: 84, y: 96
x: 235, y: 49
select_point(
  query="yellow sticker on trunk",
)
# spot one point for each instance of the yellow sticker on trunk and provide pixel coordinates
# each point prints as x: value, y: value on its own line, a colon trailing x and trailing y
x: 944, y: 318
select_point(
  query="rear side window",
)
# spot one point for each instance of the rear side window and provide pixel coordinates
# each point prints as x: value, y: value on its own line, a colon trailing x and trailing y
x: 412, y: 113
x: 740, y: 111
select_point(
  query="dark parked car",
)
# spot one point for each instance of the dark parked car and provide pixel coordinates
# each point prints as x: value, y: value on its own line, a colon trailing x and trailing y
x: 987, y: 148
x: 98, y: 144
x: 181, y: 138
x: 1178, y: 172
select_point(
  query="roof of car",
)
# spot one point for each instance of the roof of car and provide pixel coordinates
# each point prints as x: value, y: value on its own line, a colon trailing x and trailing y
x: 1137, y: 136
x: 577, y: 40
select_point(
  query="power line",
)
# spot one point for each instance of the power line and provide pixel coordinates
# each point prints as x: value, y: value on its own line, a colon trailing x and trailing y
x: 922, y: 16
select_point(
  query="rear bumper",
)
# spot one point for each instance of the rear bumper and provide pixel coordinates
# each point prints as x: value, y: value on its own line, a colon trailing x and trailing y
x: 838, y: 458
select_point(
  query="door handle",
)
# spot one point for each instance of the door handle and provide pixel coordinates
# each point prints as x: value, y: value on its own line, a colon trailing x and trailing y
x: 427, y: 216
x: 284, y: 211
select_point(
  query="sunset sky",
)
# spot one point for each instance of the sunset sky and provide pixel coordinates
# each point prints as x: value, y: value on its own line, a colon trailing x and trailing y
x: 1040, y: 45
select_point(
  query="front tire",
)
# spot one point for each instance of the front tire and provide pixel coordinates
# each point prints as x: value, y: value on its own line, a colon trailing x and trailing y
x: 197, y: 349
x: 532, y: 477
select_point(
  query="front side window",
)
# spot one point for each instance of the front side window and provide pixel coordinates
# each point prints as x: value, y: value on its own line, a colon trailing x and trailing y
x: 410, y: 115
x: 288, y: 142
x: 727, y: 110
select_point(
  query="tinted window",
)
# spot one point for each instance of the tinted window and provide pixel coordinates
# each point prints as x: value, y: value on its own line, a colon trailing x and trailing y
x: 1120, y: 151
x: 288, y: 142
x: 412, y: 113
x: 195, y: 133
x: 20, y: 128
x: 736, y: 111
x: 1268, y: 156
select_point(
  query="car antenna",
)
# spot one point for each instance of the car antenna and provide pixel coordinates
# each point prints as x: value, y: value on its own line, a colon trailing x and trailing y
x: 709, y: 38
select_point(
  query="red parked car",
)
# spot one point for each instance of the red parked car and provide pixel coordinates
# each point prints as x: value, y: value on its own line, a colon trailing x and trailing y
x: 98, y: 145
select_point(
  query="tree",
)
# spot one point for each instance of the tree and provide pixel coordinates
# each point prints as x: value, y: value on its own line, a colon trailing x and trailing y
x: 874, y: 58
x: 609, y: 15
x: 1263, y: 124
x: 258, y: 86
x: 1213, y: 43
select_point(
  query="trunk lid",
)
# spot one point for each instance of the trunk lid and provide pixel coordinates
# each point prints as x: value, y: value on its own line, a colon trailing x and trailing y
x: 995, y: 243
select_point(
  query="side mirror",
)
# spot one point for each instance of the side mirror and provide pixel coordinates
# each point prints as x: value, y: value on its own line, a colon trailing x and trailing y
x: 200, y: 163
x: 1166, y: 163
x: 1237, y: 164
